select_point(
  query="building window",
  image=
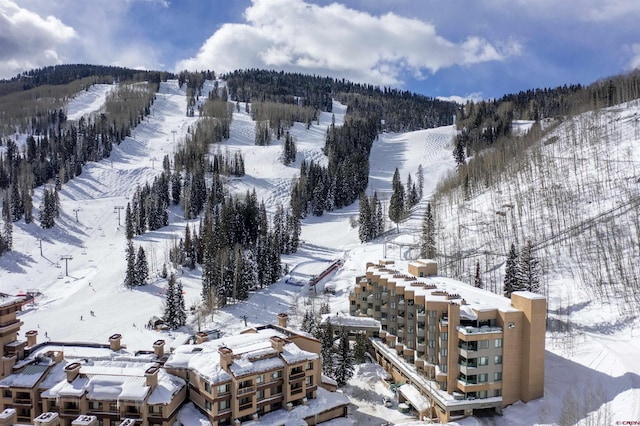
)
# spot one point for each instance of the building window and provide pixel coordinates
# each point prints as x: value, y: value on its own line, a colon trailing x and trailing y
x: 207, y: 387
x: 483, y: 360
x: 443, y: 351
x: 260, y: 395
x: 259, y: 379
x: 276, y: 374
x: 443, y: 368
x: 483, y: 344
x: 482, y: 394
x: 498, y: 343
x: 309, y: 366
x: 410, y: 344
x: 392, y: 305
x: 431, y: 344
x: 497, y: 392
x: 497, y: 359
x: 410, y: 329
x: 444, y: 336
x: 309, y: 380
x: 378, y: 296
x: 431, y: 314
x: 483, y: 378
x: 223, y: 405
x: 497, y: 376
x: 208, y: 406
x: 222, y: 389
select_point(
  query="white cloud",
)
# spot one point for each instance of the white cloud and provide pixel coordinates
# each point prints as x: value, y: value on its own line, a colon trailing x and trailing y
x: 338, y: 41
x: 611, y: 10
x: 635, y: 61
x: 27, y: 40
x: 473, y: 97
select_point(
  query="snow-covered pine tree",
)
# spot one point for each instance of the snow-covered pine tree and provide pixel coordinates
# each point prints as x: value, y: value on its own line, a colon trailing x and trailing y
x: 181, y: 310
x: 129, y: 222
x: 511, y: 272
x: 360, y: 348
x: 528, y: 269
x: 326, y: 349
x: 170, y: 316
x: 344, y: 367
x: 364, y: 222
x: 397, y: 202
x: 428, y: 236
x: 141, y: 267
x: 477, y: 279
x: 130, y: 273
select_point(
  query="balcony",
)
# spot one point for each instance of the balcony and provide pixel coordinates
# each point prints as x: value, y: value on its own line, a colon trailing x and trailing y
x: 296, y: 375
x: 297, y: 390
x: 246, y: 406
x: 248, y: 389
x: 420, y: 347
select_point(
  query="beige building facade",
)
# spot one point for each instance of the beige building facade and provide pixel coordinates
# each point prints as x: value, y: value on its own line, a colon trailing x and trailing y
x: 463, y: 350
x: 232, y: 380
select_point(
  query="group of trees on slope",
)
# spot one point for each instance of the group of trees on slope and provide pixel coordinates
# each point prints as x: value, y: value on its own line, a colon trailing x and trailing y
x: 56, y: 149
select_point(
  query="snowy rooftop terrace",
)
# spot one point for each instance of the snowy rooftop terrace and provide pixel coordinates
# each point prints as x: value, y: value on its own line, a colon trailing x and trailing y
x: 252, y: 353
x: 477, y: 299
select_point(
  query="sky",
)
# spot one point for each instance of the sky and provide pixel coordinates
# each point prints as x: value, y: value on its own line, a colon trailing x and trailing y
x: 445, y: 48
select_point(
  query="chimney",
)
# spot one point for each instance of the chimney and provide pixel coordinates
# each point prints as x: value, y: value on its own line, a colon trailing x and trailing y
x: 282, y: 320
x: 85, y: 420
x: 201, y: 337
x: 8, y: 417
x: 31, y: 337
x: 72, y: 371
x: 151, y: 375
x: 114, y: 342
x: 158, y: 348
x: 226, y: 357
x: 277, y: 343
x: 58, y: 356
x: 47, y: 419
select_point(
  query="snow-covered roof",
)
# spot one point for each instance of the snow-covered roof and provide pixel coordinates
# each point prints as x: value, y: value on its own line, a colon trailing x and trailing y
x: 418, y: 401
x: 439, y: 288
x: 27, y: 378
x: 342, y: 320
x: 168, y: 386
x: 252, y: 353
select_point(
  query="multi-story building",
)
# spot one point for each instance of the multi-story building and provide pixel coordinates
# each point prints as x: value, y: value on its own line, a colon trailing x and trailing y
x: 231, y: 380
x: 458, y: 349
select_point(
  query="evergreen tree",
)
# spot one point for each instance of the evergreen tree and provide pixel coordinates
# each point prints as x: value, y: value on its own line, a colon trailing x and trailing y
x: 130, y: 273
x: 528, y: 269
x: 420, y: 177
x: 428, y: 236
x: 129, y: 222
x: 459, y: 154
x: 344, y: 367
x: 141, y: 267
x: 47, y: 210
x: 396, y: 204
x: 181, y: 310
x: 326, y: 349
x: 360, y: 348
x: 364, y: 229
x: 511, y: 272
x: 309, y: 324
x: 477, y: 280
x: 171, y: 314
x: 379, y: 220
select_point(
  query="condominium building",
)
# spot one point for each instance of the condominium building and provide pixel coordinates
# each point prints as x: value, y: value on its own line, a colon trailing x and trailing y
x: 453, y: 350
x: 264, y: 371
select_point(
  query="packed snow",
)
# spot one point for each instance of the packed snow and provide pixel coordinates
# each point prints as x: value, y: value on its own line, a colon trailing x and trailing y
x: 83, y: 299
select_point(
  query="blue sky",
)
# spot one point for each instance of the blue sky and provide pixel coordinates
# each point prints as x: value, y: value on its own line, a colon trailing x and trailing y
x: 435, y: 47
